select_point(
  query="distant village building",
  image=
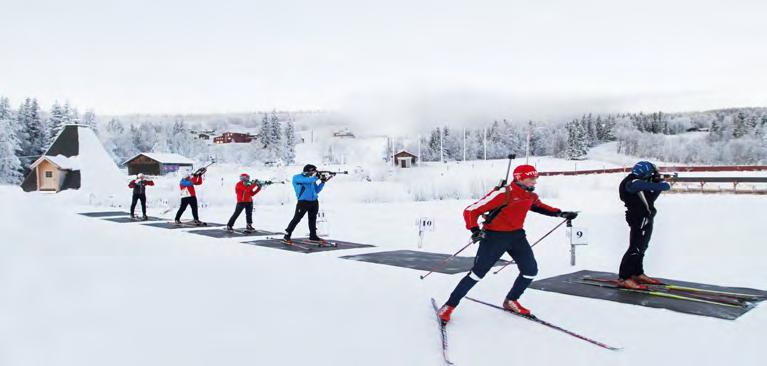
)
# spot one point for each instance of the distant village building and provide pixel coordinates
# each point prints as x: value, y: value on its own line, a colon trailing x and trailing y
x: 157, y: 163
x: 234, y: 137
x: 203, y: 134
x: 404, y: 159
x: 343, y: 134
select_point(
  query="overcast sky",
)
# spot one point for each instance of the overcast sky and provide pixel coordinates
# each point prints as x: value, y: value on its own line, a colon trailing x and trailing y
x: 384, y: 60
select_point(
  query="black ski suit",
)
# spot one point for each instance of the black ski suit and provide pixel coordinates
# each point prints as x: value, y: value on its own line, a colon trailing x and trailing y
x: 639, y: 196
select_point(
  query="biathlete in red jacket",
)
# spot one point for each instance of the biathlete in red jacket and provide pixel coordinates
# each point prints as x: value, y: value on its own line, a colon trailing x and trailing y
x: 189, y: 197
x: 245, y: 190
x: 503, y: 232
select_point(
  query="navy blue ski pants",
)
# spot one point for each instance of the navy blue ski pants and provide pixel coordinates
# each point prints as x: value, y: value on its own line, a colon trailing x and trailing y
x: 490, y: 250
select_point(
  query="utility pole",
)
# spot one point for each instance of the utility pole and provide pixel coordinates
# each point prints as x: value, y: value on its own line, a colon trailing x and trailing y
x: 464, y: 144
x: 441, y: 147
x: 484, y: 140
x: 527, y: 147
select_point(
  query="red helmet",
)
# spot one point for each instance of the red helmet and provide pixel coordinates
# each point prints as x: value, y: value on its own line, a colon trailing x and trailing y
x: 525, y: 171
x: 244, y: 176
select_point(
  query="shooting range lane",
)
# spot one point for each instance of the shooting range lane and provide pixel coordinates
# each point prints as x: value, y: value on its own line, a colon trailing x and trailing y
x: 124, y: 220
x: 304, y: 246
x: 184, y: 225
x: 570, y: 284
x: 422, y: 261
x: 105, y: 213
x: 237, y: 233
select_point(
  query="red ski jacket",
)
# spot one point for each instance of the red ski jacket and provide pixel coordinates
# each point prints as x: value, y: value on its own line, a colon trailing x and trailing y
x: 246, y: 193
x: 188, y: 186
x: 515, y: 200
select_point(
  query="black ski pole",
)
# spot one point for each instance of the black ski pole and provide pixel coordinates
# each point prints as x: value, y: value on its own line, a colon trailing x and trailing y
x: 508, y: 170
x: 538, y: 241
x: 442, y: 264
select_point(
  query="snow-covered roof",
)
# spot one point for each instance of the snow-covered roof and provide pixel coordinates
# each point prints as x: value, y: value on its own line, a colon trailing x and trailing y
x: 406, y: 152
x: 61, y: 161
x: 164, y: 158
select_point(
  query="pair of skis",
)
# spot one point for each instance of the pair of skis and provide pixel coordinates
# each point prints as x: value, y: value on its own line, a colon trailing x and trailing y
x: 308, y: 245
x: 190, y: 224
x: 694, y: 294
x: 443, y: 327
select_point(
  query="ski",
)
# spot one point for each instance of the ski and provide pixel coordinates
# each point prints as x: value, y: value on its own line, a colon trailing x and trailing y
x: 443, y: 331
x: 550, y: 325
x: 657, y: 293
x: 696, y: 290
x: 669, y: 287
x: 188, y: 224
x: 321, y: 244
x: 294, y: 244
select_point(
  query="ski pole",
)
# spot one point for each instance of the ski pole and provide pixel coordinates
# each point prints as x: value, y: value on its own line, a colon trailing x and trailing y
x: 508, y: 170
x: 442, y: 264
x: 538, y: 241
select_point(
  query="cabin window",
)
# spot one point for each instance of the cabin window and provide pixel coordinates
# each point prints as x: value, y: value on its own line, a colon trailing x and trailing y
x: 49, y: 174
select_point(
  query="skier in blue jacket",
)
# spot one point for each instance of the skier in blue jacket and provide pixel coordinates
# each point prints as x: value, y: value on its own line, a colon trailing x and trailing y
x: 307, y: 185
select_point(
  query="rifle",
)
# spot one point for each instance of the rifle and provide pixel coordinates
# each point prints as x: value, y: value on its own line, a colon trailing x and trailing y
x: 202, y: 170
x: 658, y: 177
x: 262, y: 183
x: 327, y: 174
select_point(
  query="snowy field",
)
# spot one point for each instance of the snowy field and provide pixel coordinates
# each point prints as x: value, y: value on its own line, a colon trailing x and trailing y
x: 82, y: 291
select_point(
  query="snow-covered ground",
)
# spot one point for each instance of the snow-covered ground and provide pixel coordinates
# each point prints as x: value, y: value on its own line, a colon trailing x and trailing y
x: 83, y: 291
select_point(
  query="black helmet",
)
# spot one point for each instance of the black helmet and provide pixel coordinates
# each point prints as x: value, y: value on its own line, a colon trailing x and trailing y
x: 309, y: 168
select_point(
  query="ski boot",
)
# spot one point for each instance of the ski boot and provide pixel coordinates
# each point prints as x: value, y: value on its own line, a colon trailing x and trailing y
x: 198, y: 223
x: 249, y: 228
x: 646, y: 280
x: 132, y: 216
x: 229, y: 229
x: 631, y: 284
x: 445, y: 312
x: 144, y: 218
x: 515, y: 307
x: 177, y: 222
x: 286, y: 239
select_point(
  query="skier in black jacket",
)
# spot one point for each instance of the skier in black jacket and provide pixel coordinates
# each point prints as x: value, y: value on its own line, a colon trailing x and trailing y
x: 139, y: 194
x: 638, y: 191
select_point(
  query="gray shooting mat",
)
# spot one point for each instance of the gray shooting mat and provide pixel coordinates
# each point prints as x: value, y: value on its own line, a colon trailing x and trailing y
x: 104, y: 213
x: 568, y: 284
x: 303, y: 246
x: 123, y: 220
x: 223, y: 234
x: 423, y: 261
x: 172, y: 225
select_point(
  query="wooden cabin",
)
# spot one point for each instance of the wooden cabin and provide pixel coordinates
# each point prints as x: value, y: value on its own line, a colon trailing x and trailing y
x: 157, y: 163
x: 405, y: 159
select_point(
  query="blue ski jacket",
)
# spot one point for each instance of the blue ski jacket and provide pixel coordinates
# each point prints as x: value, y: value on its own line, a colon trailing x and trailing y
x: 307, y: 188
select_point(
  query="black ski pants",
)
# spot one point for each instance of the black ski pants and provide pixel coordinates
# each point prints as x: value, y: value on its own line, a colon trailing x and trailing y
x: 136, y: 198
x: 187, y: 201
x: 302, y: 207
x: 248, y: 207
x: 639, y: 239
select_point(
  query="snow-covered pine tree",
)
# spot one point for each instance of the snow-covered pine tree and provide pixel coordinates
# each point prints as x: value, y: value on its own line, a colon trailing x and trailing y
x: 56, y: 121
x: 289, y: 155
x: 275, y: 136
x: 577, y: 140
x: 89, y: 119
x: 263, y: 132
x: 10, y: 165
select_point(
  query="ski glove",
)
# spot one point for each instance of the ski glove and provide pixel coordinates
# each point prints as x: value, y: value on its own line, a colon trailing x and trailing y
x: 568, y: 215
x: 477, y: 234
